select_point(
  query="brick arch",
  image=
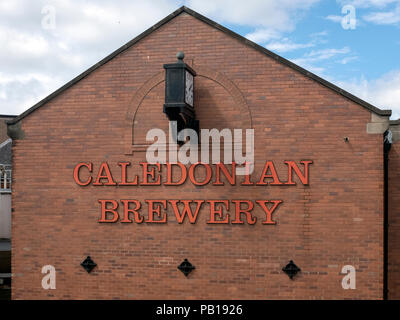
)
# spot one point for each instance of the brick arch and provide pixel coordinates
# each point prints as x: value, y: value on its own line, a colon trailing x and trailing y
x: 158, y: 78
x: 134, y: 106
x: 231, y: 88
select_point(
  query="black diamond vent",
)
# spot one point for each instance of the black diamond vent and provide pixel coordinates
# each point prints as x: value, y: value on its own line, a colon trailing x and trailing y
x: 88, y: 264
x: 186, y: 267
x: 291, y: 269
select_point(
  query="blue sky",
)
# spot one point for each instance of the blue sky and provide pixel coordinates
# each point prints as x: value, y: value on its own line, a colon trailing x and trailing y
x: 370, y: 50
x: 47, y: 43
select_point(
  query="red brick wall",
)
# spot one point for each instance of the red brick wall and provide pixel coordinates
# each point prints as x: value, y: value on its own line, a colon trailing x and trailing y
x: 394, y: 222
x: 335, y: 221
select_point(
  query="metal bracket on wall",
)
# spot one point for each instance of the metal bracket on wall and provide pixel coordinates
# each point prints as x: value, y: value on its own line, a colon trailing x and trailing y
x: 291, y: 269
x: 88, y: 264
x: 186, y: 267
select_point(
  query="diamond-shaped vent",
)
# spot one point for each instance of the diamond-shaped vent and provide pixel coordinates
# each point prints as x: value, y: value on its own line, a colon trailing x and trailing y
x: 291, y: 269
x: 186, y: 267
x: 88, y: 264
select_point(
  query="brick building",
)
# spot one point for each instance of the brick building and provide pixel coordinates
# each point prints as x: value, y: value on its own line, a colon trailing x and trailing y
x: 336, y: 218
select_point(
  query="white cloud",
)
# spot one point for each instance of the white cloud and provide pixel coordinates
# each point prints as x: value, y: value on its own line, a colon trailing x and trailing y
x: 275, y: 42
x: 286, y: 45
x: 346, y: 60
x: 21, y: 91
x: 334, y: 18
x: 84, y: 33
x: 318, y: 55
x: 22, y: 44
x: 383, y: 92
x: 271, y: 18
x: 277, y: 15
x: 263, y: 35
x: 367, y: 3
x: 318, y: 70
x: 10, y: 7
x: 317, y: 60
x: 384, y: 17
x: 326, y: 53
x: 391, y: 16
x: 319, y: 34
x: 342, y: 19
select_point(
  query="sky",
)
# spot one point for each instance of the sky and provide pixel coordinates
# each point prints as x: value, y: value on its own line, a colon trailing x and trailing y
x: 355, y: 43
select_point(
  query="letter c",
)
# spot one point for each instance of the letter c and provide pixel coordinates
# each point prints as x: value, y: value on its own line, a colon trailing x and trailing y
x: 76, y: 173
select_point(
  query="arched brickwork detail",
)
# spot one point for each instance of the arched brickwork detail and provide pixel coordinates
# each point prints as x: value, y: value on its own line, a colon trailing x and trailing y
x: 134, y: 106
x: 231, y: 88
x: 201, y: 71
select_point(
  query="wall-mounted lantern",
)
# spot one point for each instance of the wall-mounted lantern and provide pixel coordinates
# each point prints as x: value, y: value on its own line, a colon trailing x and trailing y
x: 179, y: 99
